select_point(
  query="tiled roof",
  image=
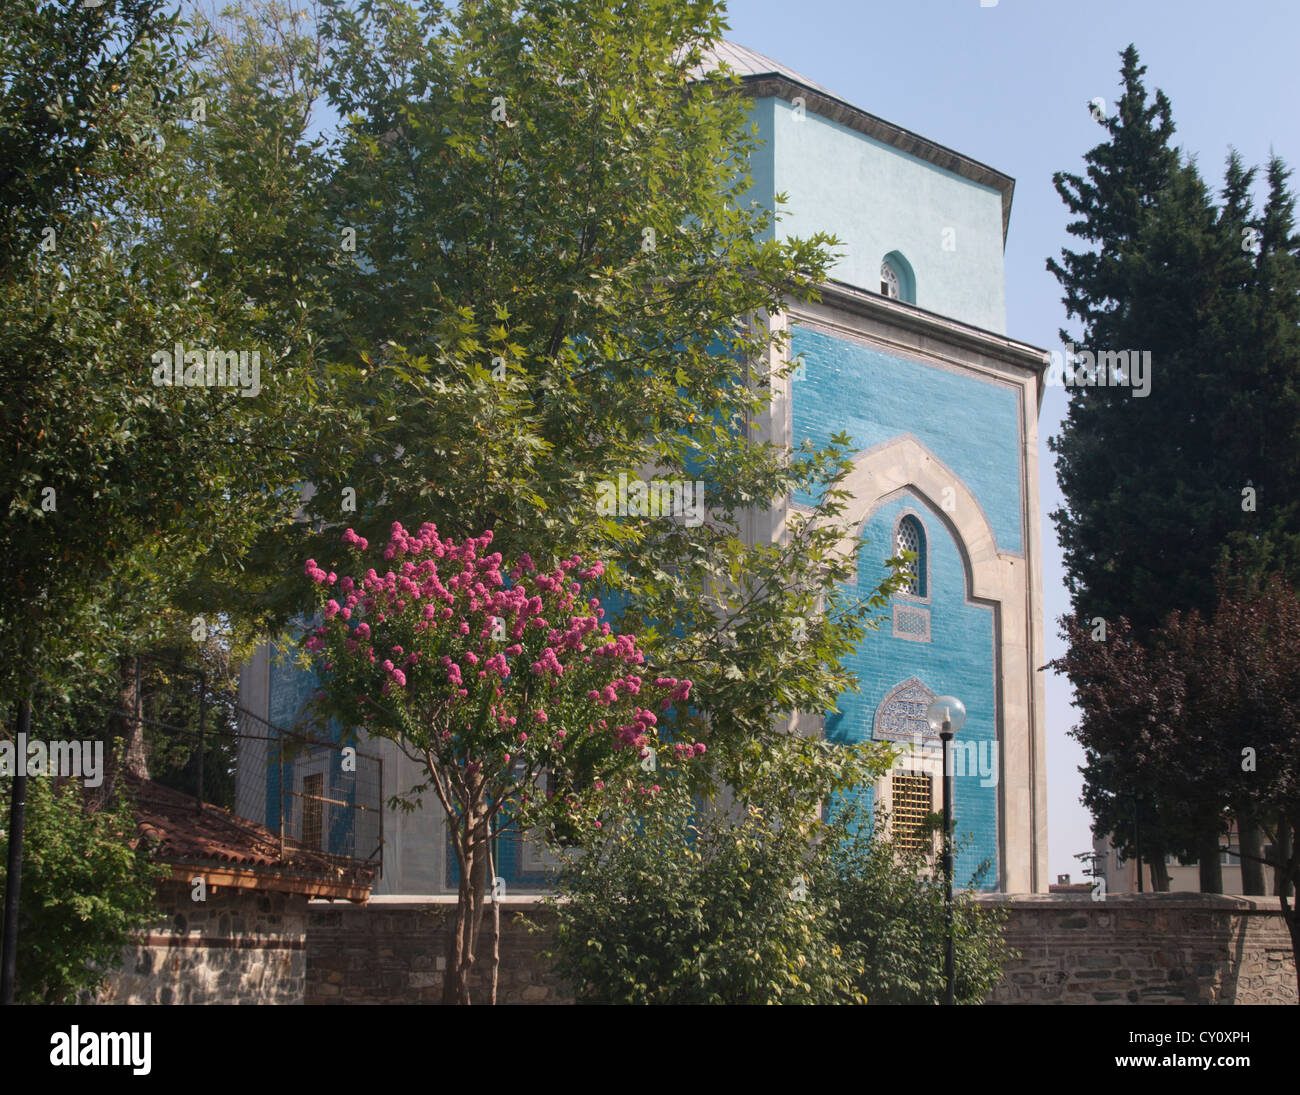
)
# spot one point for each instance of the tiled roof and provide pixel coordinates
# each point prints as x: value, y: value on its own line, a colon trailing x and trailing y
x: 178, y: 833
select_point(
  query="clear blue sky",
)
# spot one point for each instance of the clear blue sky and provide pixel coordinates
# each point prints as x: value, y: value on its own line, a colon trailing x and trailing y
x: 1009, y: 85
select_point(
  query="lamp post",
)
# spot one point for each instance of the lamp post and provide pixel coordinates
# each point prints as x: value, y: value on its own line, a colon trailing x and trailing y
x: 946, y: 716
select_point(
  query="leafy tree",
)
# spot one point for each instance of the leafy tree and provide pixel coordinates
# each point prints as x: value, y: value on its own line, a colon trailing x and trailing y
x: 1129, y: 703
x: 683, y: 903
x: 892, y: 922
x: 132, y: 504
x: 79, y: 89
x: 522, y: 708
x: 1204, y: 711
x: 84, y: 890
x: 557, y: 283
x: 132, y: 225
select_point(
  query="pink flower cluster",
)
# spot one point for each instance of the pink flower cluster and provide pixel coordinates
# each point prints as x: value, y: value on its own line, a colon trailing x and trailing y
x: 453, y: 601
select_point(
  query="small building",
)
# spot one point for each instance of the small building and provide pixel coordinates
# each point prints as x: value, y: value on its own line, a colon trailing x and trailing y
x: 231, y: 922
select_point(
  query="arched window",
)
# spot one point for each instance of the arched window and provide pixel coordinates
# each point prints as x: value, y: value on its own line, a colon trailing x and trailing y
x: 889, y: 286
x: 909, y: 535
x: 896, y: 278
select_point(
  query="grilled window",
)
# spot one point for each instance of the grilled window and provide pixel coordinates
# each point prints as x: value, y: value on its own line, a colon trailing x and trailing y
x: 313, y: 811
x: 911, y: 793
x: 889, y: 284
x: 910, y: 536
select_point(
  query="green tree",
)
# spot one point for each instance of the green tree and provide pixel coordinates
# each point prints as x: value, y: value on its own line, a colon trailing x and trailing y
x: 144, y: 165
x: 84, y: 890
x: 764, y: 902
x: 892, y: 923
x: 557, y: 282
x: 1162, y: 489
x: 1213, y: 293
x: 133, y: 506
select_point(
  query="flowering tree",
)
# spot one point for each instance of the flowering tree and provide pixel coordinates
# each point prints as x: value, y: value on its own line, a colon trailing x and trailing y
x: 523, y: 707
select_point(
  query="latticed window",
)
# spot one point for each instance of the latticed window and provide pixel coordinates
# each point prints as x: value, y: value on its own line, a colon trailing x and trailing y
x: 313, y: 811
x: 911, y: 793
x: 910, y: 536
x: 889, y: 283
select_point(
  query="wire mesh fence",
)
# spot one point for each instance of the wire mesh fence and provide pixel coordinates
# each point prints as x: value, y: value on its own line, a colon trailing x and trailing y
x: 313, y: 793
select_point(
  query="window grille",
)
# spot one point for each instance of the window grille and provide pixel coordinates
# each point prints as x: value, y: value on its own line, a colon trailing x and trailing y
x: 911, y: 794
x: 889, y: 284
x: 313, y: 811
x: 909, y: 536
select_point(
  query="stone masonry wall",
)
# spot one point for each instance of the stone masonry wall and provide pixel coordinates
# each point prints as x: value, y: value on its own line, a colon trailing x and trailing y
x: 392, y: 952
x: 247, y: 947
x: 1128, y: 949
x: 1163, y: 948
x: 237, y: 947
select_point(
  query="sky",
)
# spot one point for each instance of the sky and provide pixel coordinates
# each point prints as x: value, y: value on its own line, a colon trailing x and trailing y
x: 1009, y: 85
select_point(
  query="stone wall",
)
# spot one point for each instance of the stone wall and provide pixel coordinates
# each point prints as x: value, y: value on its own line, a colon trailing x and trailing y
x: 1128, y: 949
x: 391, y: 951
x: 237, y: 947
x: 1167, y: 948
x: 242, y: 946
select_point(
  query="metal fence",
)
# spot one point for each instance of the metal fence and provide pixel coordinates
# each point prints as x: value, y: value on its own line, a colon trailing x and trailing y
x: 314, y: 794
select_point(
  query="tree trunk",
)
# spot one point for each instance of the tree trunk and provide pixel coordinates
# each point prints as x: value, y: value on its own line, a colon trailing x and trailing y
x: 496, y: 927
x: 462, y: 943
x: 1293, y: 926
x: 1288, y: 871
x: 1159, y: 874
x: 125, y: 750
x: 1282, y: 856
x: 1210, y: 869
x: 1251, y: 838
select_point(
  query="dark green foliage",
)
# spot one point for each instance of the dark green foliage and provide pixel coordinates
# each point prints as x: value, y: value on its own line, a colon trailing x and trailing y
x: 83, y: 890
x: 1153, y: 485
x: 1162, y: 491
x: 675, y: 904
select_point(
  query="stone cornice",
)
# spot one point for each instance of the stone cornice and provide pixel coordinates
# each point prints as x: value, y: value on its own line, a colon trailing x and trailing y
x: 928, y: 328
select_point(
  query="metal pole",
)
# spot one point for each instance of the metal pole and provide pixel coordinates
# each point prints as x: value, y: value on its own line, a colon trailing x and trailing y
x: 203, y: 721
x: 14, y: 877
x: 948, y: 964
x: 279, y: 748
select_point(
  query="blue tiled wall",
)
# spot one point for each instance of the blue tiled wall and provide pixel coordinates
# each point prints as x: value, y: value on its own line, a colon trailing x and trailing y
x: 958, y: 660
x: 969, y: 424
x: 972, y: 426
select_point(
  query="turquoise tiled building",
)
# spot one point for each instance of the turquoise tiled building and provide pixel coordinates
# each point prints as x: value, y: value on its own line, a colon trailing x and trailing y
x: 907, y: 353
